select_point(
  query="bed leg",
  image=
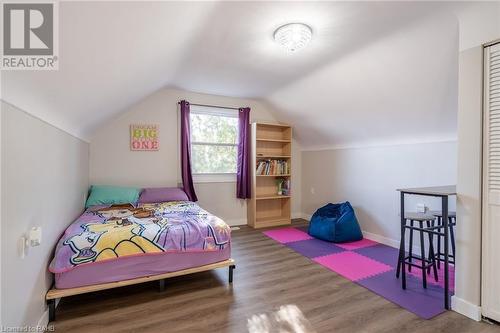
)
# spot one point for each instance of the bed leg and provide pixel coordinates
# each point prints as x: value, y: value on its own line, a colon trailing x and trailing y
x: 161, y: 284
x: 52, y: 309
x: 231, y: 268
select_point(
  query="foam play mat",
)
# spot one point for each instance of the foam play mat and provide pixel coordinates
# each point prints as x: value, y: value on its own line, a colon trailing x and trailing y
x: 371, y: 265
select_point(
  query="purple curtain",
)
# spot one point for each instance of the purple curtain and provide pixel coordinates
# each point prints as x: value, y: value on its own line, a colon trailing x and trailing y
x: 187, y: 177
x: 243, y: 186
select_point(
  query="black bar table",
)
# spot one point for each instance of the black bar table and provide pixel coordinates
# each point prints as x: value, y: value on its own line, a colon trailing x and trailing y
x: 443, y: 192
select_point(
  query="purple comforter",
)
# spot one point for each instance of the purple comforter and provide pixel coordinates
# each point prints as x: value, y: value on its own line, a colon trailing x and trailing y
x: 112, y: 232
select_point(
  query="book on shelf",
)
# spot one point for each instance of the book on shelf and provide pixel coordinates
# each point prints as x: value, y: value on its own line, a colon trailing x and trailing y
x: 272, y: 167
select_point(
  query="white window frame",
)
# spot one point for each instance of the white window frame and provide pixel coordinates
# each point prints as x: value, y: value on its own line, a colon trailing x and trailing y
x: 214, y: 177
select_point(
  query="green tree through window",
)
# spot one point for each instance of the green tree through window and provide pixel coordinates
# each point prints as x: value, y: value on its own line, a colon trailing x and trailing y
x: 214, y: 140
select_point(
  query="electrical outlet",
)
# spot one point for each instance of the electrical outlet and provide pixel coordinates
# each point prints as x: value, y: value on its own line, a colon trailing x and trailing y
x: 35, y: 236
x: 421, y: 208
x: 312, y: 190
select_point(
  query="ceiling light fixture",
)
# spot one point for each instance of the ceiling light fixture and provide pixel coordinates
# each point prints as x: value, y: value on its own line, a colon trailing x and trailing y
x: 293, y: 36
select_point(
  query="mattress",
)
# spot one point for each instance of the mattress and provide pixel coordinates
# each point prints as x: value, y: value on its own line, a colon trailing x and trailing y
x: 120, y: 242
x: 135, y: 267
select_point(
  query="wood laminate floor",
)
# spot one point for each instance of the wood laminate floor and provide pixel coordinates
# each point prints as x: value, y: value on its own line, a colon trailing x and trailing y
x: 267, y: 276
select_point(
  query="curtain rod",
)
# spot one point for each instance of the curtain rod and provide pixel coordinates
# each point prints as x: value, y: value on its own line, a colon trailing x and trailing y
x: 212, y: 106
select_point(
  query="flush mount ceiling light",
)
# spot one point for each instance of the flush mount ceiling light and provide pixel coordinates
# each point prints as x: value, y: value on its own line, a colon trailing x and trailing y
x: 293, y: 36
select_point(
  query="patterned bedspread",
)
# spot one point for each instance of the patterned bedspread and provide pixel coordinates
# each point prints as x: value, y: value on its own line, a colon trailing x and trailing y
x: 112, y: 232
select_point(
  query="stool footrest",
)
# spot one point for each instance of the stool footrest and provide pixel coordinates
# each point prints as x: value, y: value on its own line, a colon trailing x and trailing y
x: 426, y: 262
x: 441, y: 257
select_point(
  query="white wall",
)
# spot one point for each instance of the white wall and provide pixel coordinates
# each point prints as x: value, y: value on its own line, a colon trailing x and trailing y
x: 368, y: 178
x: 467, y: 298
x: 44, y: 180
x: 112, y: 162
x: 479, y: 23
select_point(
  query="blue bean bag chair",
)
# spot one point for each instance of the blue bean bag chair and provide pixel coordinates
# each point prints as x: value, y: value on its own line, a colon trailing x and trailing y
x: 335, y: 223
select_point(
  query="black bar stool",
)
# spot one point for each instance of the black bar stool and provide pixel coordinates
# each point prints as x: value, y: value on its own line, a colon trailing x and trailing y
x: 452, y: 222
x: 426, y: 262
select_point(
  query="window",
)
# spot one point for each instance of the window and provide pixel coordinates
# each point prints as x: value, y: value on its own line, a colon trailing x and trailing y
x: 214, y: 141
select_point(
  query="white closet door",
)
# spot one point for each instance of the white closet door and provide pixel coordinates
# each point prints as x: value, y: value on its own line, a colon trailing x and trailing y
x: 491, y: 186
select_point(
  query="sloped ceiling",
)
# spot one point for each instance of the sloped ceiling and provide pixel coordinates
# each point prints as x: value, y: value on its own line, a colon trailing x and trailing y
x: 399, y: 88
x: 374, y: 72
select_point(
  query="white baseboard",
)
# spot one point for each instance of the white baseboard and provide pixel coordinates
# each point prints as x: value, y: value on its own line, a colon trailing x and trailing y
x: 44, y: 319
x: 381, y: 239
x: 236, y: 222
x: 374, y: 237
x: 297, y: 215
x: 306, y: 216
x: 465, y: 308
x: 389, y: 241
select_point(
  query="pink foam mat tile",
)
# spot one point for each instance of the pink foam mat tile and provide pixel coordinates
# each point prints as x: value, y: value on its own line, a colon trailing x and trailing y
x: 417, y: 272
x: 357, y: 244
x: 352, y: 265
x: 287, y: 235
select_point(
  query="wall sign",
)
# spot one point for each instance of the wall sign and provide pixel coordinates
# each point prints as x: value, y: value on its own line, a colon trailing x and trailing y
x: 144, y: 137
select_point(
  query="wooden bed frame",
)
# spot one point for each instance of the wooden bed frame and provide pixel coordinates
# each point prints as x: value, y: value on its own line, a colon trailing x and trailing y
x: 54, y: 293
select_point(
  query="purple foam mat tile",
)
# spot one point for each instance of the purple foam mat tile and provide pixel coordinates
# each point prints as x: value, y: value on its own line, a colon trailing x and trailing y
x: 380, y: 252
x: 425, y: 303
x: 314, y: 248
x: 416, y: 272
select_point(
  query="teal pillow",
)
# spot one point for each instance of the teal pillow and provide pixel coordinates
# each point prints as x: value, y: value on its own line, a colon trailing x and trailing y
x: 112, y: 195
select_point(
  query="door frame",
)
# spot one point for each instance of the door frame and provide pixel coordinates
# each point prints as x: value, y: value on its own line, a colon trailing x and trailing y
x: 486, y: 311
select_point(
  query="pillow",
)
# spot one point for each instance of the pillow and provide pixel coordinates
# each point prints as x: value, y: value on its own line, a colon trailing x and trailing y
x: 111, y: 195
x: 162, y: 194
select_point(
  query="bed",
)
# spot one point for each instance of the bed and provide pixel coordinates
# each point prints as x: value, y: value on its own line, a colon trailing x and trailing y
x: 110, y: 246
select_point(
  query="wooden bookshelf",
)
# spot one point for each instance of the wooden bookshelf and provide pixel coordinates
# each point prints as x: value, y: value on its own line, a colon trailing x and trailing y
x: 277, y: 196
x: 275, y: 140
x: 267, y: 207
x: 273, y: 156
